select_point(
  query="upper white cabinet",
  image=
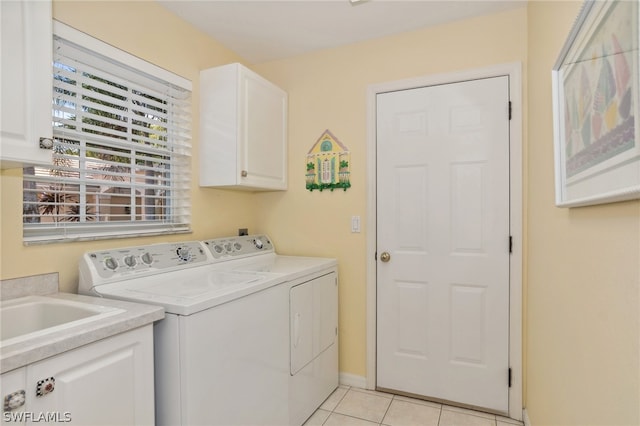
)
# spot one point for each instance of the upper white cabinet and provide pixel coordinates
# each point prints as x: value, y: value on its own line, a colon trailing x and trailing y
x: 243, y: 130
x: 25, y: 115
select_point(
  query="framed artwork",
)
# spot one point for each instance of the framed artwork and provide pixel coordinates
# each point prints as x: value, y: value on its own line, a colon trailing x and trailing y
x: 595, y: 106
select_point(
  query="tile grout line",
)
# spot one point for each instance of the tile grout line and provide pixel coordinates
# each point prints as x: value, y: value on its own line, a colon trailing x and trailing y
x: 393, y: 397
x: 387, y: 410
x: 361, y: 418
x: 469, y: 412
x: 333, y: 410
x: 440, y: 414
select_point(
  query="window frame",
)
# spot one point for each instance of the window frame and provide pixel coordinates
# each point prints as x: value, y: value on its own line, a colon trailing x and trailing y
x: 138, y: 68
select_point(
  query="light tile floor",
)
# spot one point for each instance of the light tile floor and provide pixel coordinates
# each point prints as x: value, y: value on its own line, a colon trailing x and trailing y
x: 349, y: 406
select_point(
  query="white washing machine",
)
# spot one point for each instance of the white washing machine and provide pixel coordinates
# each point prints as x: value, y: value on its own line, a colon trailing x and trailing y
x: 249, y: 336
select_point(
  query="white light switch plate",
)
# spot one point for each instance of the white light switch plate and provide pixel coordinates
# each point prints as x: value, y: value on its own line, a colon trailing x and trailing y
x: 355, y: 224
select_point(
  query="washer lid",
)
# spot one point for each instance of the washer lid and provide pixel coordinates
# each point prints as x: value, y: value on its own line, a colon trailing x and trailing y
x: 211, y: 282
x: 189, y: 291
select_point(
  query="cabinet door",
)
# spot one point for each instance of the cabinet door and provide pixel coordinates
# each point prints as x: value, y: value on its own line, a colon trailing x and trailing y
x: 26, y: 78
x: 263, y: 133
x: 12, y: 386
x: 109, y: 382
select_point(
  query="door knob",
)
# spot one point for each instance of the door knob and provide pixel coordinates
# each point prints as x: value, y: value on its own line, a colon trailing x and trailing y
x: 385, y: 256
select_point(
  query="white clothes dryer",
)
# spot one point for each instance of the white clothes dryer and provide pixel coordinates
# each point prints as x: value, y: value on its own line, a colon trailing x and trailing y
x: 249, y: 336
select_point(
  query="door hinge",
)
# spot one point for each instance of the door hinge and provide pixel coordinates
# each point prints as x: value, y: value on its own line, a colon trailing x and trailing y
x: 510, y: 244
x: 375, y: 256
x: 509, y: 110
x: 509, y: 376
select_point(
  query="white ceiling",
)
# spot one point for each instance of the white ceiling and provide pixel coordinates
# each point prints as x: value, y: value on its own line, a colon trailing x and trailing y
x: 265, y: 30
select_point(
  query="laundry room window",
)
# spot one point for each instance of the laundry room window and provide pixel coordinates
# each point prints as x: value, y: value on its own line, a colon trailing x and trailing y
x: 122, y: 147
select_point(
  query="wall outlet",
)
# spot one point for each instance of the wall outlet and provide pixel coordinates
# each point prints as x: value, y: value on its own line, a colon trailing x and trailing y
x: 243, y: 231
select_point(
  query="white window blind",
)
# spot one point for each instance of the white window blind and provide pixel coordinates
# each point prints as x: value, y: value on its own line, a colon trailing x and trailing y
x: 121, y: 156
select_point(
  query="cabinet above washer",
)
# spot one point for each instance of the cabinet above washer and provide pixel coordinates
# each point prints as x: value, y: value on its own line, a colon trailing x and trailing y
x: 243, y: 130
x: 26, y: 83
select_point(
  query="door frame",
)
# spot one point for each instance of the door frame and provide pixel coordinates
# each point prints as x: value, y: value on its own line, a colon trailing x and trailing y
x: 514, y: 72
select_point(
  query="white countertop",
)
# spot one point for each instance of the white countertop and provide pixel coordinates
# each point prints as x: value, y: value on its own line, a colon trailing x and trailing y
x: 35, y: 349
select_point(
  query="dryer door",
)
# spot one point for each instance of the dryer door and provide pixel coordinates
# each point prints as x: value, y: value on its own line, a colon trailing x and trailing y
x: 313, y: 319
x: 301, y: 310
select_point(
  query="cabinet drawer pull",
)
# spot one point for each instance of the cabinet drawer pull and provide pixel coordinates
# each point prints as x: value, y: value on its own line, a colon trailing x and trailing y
x: 45, y: 386
x: 244, y: 173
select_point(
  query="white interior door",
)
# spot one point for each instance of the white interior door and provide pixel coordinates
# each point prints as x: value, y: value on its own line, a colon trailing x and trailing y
x: 443, y: 218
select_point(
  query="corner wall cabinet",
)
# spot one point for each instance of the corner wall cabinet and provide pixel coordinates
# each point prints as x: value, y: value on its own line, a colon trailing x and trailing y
x: 26, y: 83
x: 109, y: 382
x: 243, y: 130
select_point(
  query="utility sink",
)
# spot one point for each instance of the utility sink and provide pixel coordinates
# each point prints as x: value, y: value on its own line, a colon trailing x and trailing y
x: 33, y: 316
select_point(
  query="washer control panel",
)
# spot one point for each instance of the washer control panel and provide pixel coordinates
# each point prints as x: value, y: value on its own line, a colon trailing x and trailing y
x: 246, y: 245
x: 145, y: 259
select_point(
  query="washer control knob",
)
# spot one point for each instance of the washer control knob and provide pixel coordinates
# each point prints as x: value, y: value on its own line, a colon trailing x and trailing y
x: 147, y: 258
x: 111, y: 263
x: 184, y: 254
x: 237, y: 246
x: 218, y: 248
x: 227, y: 247
x: 258, y: 243
x: 130, y: 261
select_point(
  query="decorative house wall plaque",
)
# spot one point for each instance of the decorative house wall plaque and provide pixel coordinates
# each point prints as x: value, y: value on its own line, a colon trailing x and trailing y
x: 328, y: 163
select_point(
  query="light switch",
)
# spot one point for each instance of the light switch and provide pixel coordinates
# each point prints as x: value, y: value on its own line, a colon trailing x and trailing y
x: 355, y: 224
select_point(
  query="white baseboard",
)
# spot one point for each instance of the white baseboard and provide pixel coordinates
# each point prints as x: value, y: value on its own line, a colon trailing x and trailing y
x: 525, y: 417
x: 348, y: 379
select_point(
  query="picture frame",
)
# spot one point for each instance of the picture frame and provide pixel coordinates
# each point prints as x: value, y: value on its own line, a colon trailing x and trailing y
x: 596, y: 106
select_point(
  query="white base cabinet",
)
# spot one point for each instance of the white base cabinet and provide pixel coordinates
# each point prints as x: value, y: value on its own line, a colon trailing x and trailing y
x: 109, y: 382
x: 243, y: 130
x: 26, y: 83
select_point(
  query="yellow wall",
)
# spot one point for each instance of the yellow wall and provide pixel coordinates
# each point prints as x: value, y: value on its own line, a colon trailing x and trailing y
x: 328, y: 89
x: 147, y: 30
x: 582, y: 279
x: 583, y: 272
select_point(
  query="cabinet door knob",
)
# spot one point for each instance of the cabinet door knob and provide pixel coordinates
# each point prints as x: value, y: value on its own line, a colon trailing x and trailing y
x: 14, y: 400
x: 244, y: 173
x: 46, y: 143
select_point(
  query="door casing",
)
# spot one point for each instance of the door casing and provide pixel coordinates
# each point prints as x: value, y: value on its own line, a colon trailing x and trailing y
x: 514, y: 72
